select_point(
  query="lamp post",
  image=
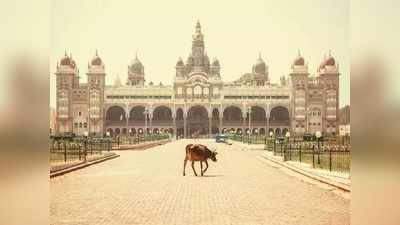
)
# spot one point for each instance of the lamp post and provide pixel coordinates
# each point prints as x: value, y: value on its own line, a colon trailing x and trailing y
x: 146, y: 112
x: 248, y: 134
x: 150, y: 133
x: 88, y: 122
x: 270, y: 136
x: 249, y: 111
x: 129, y: 135
x: 288, y: 136
x: 288, y: 140
x: 86, y: 134
x: 140, y: 133
x: 108, y: 139
x: 318, y: 135
x: 256, y: 131
x: 127, y: 128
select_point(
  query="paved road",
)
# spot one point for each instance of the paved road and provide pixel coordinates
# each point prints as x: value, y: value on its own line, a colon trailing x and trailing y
x: 147, y: 187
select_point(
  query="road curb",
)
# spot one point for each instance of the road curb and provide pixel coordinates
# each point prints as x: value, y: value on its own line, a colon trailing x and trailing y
x: 140, y: 146
x: 321, y: 179
x: 81, y: 165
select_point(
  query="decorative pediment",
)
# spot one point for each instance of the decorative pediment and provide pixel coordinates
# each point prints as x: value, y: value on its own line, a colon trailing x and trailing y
x: 197, y: 78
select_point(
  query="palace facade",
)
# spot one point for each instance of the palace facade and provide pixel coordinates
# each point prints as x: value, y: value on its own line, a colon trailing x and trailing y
x: 198, y: 99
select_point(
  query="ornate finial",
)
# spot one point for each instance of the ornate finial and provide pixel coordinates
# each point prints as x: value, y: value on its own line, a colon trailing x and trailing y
x: 198, y: 26
x: 65, y: 52
x: 96, y: 53
x: 259, y: 55
x: 329, y: 53
x: 298, y: 52
x: 136, y: 55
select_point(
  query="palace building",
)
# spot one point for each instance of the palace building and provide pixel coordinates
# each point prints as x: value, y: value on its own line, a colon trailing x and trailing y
x: 198, y: 100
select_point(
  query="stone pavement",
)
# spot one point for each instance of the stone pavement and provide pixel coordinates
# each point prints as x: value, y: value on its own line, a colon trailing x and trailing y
x: 147, y: 187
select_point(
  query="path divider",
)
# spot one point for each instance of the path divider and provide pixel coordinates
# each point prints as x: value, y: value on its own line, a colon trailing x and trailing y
x: 67, y: 168
x: 321, y: 176
x: 72, y: 167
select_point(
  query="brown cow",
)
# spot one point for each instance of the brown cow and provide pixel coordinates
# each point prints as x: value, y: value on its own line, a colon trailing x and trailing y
x: 198, y: 152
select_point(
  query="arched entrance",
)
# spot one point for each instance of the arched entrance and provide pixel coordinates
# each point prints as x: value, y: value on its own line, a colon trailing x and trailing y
x: 279, y: 114
x: 232, y: 114
x: 162, y: 114
x: 115, y: 116
x: 137, y: 114
x: 215, y: 121
x: 257, y: 114
x: 197, y: 120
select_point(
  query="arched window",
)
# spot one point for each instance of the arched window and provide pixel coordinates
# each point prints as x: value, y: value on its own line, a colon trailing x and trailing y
x: 197, y: 90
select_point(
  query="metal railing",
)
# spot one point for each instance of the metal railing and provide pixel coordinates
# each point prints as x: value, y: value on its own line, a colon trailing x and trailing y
x: 332, y: 157
x: 137, y: 139
x: 63, y: 150
x: 330, y: 154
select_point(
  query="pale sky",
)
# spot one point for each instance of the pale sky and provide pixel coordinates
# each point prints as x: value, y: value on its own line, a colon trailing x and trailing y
x: 235, y: 32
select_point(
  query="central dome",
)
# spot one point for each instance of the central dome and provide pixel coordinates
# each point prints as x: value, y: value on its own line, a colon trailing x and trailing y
x: 136, y: 66
x: 260, y: 66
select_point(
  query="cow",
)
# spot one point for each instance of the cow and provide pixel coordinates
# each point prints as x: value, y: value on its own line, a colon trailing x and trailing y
x: 198, y: 152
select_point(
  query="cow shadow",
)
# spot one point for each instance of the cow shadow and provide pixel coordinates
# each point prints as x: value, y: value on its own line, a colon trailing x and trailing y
x: 213, y: 175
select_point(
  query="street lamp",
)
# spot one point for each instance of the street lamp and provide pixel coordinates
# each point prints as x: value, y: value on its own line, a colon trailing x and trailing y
x: 288, y: 136
x: 86, y: 134
x: 248, y: 135
x: 270, y: 135
x: 88, y: 122
x: 108, y: 140
x: 249, y: 111
x: 146, y: 112
x: 318, y: 135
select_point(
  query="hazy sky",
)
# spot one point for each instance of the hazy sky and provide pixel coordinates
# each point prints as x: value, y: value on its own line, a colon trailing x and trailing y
x: 235, y: 32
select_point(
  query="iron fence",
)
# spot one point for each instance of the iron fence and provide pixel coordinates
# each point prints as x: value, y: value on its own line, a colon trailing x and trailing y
x: 330, y: 154
x: 78, y: 149
x: 330, y: 157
